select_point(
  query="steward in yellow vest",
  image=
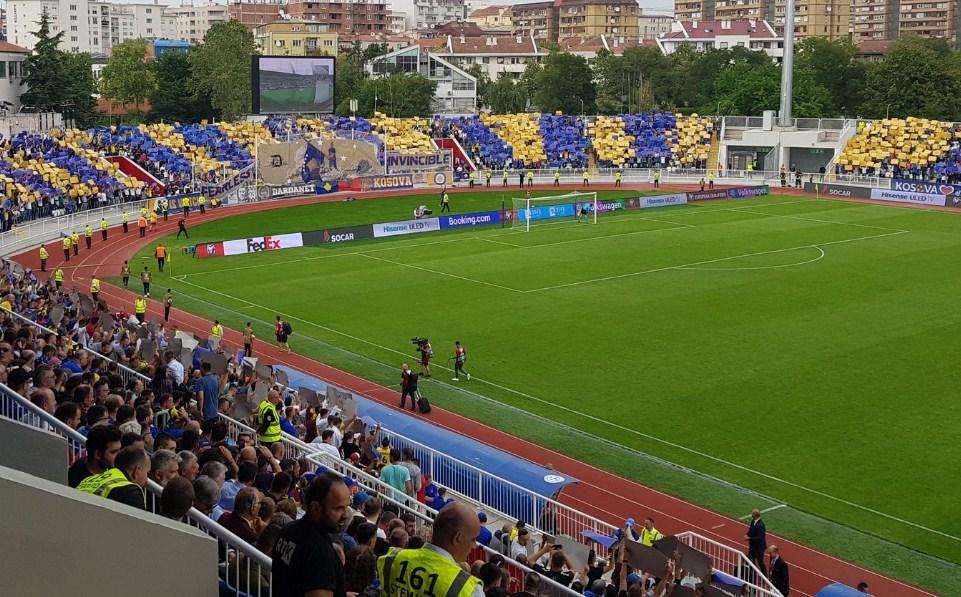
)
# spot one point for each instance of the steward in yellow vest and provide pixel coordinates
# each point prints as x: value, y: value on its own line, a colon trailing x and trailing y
x: 125, y: 482
x: 58, y: 277
x: 140, y: 308
x: 103, y: 228
x: 126, y: 221
x: 66, y: 247
x: 268, y: 421
x: 94, y: 288
x: 217, y: 330
x: 75, y: 243
x: 88, y: 235
x: 43, y: 258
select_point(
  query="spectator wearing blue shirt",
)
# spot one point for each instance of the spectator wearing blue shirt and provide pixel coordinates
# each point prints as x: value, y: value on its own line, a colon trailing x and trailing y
x: 484, y: 536
x: 441, y: 500
x: 208, y: 392
x: 285, y: 425
x: 246, y: 475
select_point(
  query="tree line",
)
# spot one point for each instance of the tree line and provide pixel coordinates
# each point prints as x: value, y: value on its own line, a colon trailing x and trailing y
x: 918, y: 76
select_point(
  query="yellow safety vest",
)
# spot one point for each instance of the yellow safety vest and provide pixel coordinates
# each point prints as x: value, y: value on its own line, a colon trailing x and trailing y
x: 105, y: 482
x: 75, y: 239
x: 163, y: 204
x: 88, y: 230
x: 43, y: 253
x: 617, y: 175
x: 126, y: 217
x: 585, y: 174
x: 710, y: 175
x: 143, y: 212
x: 217, y: 330
x: 185, y: 202
x: 657, y: 175
x: 66, y: 242
x: 530, y: 174
x: 103, y: 224
x: 557, y: 176
x: 422, y: 573
x: 140, y: 306
x: 202, y: 200
x: 94, y: 285
x: 58, y: 275
x: 649, y: 537
x: 471, y: 175
x: 272, y: 433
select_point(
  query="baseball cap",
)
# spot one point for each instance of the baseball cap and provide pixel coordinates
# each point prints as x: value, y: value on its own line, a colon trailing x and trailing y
x: 482, y: 517
x: 633, y: 579
x: 354, y: 457
x: 360, y: 498
x: 349, y: 482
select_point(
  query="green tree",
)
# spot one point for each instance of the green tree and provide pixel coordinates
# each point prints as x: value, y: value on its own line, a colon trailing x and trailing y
x: 833, y: 66
x: 919, y: 77
x: 79, y: 90
x: 528, y: 81
x: 404, y: 95
x: 221, y: 68
x: 566, y: 84
x: 128, y: 77
x: 505, y: 96
x: 349, y: 77
x: 45, y: 70
x: 744, y: 88
x: 704, y: 71
x: 172, y: 98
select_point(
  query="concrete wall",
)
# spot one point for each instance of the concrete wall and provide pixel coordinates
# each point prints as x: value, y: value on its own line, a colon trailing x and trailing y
x: 61, y: 541
x: 33, y: 451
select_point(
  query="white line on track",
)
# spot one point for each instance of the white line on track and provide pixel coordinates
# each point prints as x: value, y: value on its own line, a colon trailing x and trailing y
x: 568, y: 410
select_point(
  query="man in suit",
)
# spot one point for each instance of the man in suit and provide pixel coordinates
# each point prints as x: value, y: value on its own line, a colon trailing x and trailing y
x: 756, y: 541
x: 779, y: 572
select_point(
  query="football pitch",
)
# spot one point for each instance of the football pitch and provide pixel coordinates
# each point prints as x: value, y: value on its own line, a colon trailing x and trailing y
x: 802, y: 349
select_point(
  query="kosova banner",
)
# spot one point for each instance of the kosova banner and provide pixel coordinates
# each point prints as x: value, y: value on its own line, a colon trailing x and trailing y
x: 434, y: 161
x: 901, y: 197
x: 389, y: 182
x: 470, y: 220
x: 927, y: 188
x: 406, y: 227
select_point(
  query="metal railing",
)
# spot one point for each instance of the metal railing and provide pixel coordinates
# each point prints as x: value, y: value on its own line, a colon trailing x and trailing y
x: 45, y: 229
x: 732, y: 562
x: 237, y: 552
x: 126, y: 373
x: 756, y: 122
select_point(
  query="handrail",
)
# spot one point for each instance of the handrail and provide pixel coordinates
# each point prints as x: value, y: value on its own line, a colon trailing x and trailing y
x: 10, y: 401
x: 130, y: 373
x: 731, y: 561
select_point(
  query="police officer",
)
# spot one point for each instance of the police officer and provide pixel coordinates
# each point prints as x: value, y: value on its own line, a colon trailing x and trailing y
x: 125, y: 218
x: 304, y: 559
x: 268, y: 421
x: 43, y: 258
x: 125, y: 482
x: 103, y: 228
x: 168, y: 302
x: 435, y: 570
x: 94, y: 288
x: 140, y: 308
x: 58, y: 278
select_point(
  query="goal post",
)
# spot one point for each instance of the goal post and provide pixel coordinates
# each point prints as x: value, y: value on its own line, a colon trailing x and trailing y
x: 529, y: 212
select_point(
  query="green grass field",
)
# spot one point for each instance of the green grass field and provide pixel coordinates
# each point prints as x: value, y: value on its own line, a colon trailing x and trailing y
x: 801, y: 349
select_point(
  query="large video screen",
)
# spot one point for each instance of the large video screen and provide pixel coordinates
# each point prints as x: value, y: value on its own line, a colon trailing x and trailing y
x: 292, y: 84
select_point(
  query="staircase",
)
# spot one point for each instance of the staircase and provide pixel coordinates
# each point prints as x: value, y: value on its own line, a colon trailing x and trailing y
x: 592, y: 162
x: 713, y: 158
x: 132, y: 168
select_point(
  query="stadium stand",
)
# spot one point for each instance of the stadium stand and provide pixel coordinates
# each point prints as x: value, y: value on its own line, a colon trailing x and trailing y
x: 406, y: 135
x: 522, y: 133
x: 903, y: 148
x: 103, y: 368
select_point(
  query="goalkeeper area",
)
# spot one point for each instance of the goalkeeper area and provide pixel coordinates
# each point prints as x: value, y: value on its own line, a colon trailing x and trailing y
x: 531, y: 211
x: 799, y: 348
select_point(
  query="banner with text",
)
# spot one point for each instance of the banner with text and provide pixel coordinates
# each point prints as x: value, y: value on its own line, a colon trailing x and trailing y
x: 406, y: 227
x: 251, y: 245
x: 927, y: 188
x: 389, y: 182
x: 902, y: 197
x: 433, y: 161
x: 470, y: 220
x: 745, y: 192
x: 837, y: 190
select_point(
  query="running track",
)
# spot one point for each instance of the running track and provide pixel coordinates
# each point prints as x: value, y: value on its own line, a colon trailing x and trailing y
x: 599, y: 493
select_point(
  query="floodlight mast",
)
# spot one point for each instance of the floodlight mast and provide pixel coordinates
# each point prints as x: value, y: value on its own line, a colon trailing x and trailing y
x: 787, y: 67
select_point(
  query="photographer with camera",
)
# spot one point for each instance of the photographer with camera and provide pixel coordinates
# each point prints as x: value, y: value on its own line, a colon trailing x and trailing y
x: 426, y: 354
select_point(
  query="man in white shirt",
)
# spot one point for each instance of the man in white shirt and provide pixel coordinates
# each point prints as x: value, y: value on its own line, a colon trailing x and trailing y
x: 176, y: 368
x: 325, y: 444
x: 520, y: 545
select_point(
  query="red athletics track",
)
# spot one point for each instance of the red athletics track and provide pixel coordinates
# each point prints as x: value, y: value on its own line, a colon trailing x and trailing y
x: 599, y: 493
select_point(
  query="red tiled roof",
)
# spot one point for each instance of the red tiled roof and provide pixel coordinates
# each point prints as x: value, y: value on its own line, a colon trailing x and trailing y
x: 487, y: 11
x: 712, y: 29
x: 502, y: 45
x: 879, y: 46
x: 9, y: 48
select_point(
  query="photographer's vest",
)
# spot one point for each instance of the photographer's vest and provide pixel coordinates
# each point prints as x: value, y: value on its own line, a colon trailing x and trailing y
x: 272, y: 433
x: 422, y: 573
x: 105, y: 482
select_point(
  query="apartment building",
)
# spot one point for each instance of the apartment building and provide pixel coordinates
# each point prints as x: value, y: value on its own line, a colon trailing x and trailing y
x: 426, y: 14
x: 295, y: 38
x: 554, y: 21
x: 87, y: 25
x: 252, y: 14
x: 495, y: 54
x: 358, y: 16
x: 492, y: 18
x: 652, y: 26
x: 193, y: 22
x: 709, y: 35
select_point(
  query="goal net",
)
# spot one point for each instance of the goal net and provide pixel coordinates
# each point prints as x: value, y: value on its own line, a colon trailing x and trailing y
x: 529, y: 212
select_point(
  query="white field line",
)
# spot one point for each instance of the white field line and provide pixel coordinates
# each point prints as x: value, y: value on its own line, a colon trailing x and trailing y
x: 566, y: 409
x: 439, y: 273
x: 760, y: 267
x: 708, y: 261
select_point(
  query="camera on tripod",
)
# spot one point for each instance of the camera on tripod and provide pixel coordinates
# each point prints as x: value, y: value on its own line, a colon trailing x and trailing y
x: 419, y: 342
